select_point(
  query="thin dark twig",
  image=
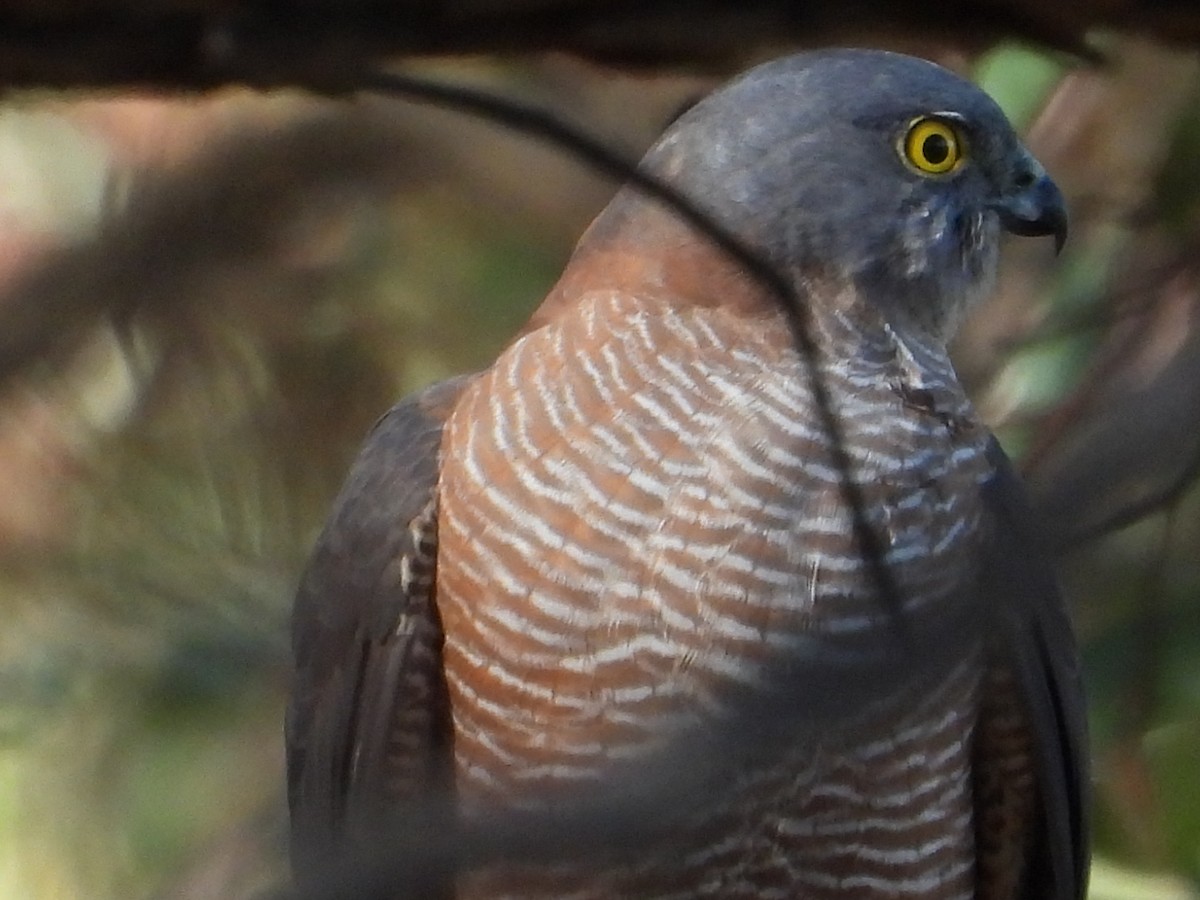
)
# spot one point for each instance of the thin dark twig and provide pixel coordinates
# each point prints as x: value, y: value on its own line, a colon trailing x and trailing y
x: 1119, y: 309
x: 1136, y: 510
x: 545, y: 126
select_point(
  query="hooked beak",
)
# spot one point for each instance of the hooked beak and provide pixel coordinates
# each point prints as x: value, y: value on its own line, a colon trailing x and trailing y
x: 1035, y: 210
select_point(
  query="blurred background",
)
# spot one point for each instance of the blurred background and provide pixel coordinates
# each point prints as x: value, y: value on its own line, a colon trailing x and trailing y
x: 206, y: 301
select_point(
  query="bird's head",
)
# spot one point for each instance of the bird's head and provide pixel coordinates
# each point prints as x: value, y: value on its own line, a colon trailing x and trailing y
x: 867, y: 167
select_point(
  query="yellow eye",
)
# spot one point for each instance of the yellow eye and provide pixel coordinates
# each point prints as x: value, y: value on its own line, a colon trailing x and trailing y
x: 933, y: 146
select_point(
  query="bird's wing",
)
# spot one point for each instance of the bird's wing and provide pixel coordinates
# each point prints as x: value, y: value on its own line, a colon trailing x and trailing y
x: 368, y: 724
x: 1035, y: 652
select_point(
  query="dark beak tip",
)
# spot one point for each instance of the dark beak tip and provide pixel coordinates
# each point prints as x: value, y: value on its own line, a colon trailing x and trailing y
x: 1050, y: 222
x: 1060, y: 239
x: 1035, y: 212
x: 1055, y: 212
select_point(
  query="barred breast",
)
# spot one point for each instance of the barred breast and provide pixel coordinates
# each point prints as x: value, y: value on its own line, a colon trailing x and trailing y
x: 639, y: 510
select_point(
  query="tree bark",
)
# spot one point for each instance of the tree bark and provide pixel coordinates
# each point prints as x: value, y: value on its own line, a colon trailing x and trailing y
x: 201, y: 44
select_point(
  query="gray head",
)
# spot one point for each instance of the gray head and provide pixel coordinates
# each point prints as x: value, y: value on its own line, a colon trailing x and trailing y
x: 878, y: 168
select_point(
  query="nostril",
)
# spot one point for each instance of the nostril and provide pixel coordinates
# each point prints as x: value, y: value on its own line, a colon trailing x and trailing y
x: 1024, y: 179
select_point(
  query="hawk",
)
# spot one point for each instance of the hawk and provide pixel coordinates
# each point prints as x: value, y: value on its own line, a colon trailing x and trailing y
x: 659, y: 523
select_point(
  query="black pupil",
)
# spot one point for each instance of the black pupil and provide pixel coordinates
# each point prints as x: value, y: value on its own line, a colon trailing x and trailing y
x: 936, y: 149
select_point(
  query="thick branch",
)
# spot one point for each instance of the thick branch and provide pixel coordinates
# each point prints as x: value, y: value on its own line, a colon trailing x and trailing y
x: 197, y: 44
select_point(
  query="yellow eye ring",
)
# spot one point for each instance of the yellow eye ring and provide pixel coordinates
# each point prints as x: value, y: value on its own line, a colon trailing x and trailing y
x: 933, y: 146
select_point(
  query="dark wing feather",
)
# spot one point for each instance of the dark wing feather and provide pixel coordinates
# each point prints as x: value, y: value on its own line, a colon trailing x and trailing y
x: 368, y: 725
x: 1041, y: 652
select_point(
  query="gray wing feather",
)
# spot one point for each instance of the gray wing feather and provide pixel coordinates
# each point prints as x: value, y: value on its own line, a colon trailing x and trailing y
x: 1044, y: 658
x: 368, y: 725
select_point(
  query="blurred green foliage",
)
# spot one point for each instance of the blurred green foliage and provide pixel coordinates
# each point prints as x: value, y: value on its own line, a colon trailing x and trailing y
x: 1019, y: 78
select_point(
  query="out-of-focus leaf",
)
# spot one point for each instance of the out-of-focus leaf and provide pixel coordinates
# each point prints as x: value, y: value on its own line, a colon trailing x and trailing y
x: 1018, y: 78
x: 1113, y: 882
x: 1172, y: 752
